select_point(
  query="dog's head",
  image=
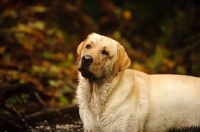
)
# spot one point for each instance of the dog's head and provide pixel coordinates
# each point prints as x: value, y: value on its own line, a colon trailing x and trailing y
x: 100, y: 57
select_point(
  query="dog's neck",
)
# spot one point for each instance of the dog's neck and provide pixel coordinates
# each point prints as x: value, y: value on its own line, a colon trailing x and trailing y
x: 99, y: 92
x: 101, y: 81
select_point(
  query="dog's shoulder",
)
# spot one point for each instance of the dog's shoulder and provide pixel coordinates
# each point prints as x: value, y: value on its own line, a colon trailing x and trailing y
x: 135, y: 75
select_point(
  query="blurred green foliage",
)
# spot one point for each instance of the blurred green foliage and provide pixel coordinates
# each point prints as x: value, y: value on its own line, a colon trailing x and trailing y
x: 18, y: 99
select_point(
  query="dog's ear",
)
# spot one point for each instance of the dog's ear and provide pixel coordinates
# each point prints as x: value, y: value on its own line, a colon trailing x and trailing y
x: 122, y: 61
x: 79, y: 49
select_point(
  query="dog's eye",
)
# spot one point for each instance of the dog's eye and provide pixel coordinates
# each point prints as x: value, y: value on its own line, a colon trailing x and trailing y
x: 88, y: 46
x: 104, y: 52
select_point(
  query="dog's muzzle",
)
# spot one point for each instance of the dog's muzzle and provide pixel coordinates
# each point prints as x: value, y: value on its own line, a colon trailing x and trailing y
x: 86, y: 61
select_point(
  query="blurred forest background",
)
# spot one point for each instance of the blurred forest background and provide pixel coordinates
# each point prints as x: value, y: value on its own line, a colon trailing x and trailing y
x: 38, y: 41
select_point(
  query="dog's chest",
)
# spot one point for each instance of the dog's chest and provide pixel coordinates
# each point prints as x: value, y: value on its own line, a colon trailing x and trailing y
x: 98, y: 100
x: 94, y: 106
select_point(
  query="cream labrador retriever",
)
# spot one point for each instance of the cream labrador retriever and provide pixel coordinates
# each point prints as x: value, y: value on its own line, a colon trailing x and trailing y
x: 113, y: 98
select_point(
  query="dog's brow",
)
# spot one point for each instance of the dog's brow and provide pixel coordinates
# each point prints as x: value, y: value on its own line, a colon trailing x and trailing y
x: 93, y: 41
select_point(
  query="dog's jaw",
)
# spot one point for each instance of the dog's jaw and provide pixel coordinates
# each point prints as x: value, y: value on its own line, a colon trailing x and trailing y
x: 87, y: 74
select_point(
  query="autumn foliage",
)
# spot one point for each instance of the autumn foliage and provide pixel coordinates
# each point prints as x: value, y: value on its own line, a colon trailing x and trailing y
x: 38, y: 41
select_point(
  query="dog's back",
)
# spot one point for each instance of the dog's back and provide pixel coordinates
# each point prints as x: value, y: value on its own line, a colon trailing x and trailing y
x: 174, y: 102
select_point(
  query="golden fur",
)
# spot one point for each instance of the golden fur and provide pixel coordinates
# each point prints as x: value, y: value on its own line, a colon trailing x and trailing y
x: 113, y: 98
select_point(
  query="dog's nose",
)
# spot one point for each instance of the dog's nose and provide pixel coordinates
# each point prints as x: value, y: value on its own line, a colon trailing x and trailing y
x: 87, y: 60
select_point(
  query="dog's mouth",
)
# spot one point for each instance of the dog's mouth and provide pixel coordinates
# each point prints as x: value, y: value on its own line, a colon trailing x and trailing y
x: 87, y: 74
